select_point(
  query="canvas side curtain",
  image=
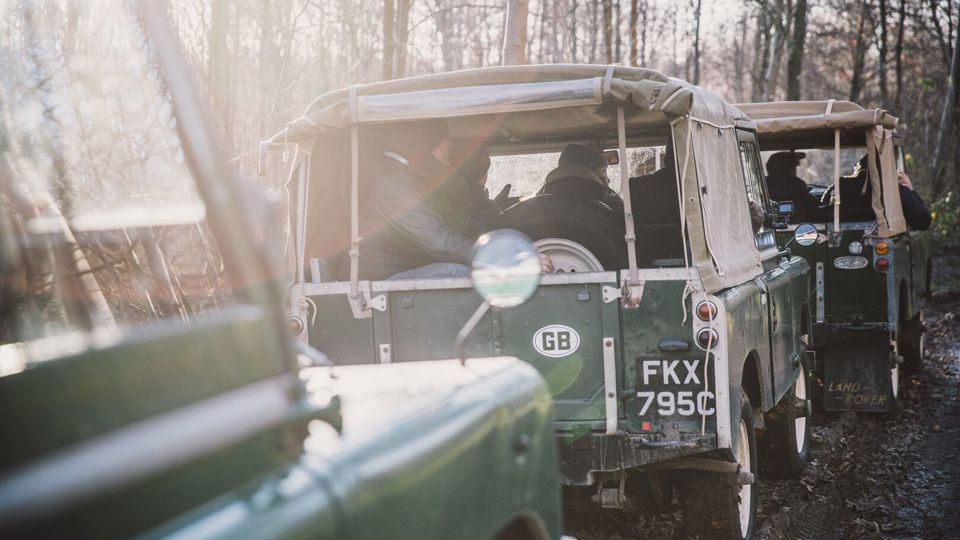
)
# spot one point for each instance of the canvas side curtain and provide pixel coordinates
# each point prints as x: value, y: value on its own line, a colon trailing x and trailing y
x: 721, y: 237
x: 885, y: 192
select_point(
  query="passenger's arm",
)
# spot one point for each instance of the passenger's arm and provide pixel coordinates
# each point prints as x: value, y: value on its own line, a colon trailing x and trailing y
x: 914, y: 210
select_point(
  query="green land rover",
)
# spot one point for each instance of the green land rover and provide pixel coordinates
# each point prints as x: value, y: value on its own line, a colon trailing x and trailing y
x: 672, y: 330
x: 130, y: 407
x: 872, y: 272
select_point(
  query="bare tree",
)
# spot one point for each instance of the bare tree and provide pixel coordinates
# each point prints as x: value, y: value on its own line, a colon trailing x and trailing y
x: 882, y: 50
x: 608, y: 30
x: 797, y: 43
x: 947, y: 117
x: 402, y: 33
x: 898, y: 54
x: 696, y: 42
x: 388, y: 22
x: 859, y: 53
x: 632, y: 25
x: 515, y: 32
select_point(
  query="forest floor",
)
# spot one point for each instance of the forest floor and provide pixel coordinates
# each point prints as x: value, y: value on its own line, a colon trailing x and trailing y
x: 892, y: 476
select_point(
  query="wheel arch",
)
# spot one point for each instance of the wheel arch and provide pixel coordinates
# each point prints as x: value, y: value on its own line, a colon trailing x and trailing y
x: 750, y: 380
x: 526, y: 525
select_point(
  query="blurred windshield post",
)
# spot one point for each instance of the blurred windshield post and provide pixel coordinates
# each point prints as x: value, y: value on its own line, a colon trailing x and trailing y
x: 251, y: 273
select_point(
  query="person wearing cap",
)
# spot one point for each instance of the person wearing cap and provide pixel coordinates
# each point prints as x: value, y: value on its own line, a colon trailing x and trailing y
x: 582, y: 172
x: 783, y: 184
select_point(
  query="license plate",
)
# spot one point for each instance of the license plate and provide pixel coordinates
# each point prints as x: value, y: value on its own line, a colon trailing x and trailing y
x: 675, y: 388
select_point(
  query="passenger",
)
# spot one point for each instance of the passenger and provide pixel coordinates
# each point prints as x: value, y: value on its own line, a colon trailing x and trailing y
x: 405, y: 223
x: 655, y: 203
x: 582, y: 172
x: 856, y: 193
x: 783, y: 184
x: 469, y: 199
x: 404, y: 235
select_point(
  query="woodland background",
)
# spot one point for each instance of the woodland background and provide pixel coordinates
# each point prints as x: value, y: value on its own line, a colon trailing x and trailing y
x: 262, y: 62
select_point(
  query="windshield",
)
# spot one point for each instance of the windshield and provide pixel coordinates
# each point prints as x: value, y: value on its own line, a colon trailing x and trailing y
x: 527, y: 173
x: 816, y: 169
x: 103, y: 226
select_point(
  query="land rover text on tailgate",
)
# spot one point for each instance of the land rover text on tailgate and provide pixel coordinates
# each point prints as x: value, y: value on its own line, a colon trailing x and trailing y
x: 871, y: 260
x: 671, y: 327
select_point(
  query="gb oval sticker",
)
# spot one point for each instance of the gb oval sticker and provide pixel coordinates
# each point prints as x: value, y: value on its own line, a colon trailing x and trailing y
x: 556, y: 341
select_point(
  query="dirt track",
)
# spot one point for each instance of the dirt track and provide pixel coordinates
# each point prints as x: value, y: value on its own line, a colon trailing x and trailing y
x: 894, y: 476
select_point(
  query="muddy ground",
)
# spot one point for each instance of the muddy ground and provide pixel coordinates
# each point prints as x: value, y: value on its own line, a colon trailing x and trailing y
x: 893, y: 476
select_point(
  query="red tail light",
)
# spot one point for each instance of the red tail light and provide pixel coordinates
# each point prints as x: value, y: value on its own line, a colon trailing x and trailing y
x: 882, y: 264
x: 707, y: 338
x: 706, y: 311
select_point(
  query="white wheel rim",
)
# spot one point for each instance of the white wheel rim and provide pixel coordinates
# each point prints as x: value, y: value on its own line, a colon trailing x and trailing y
x: 800, y: 424
x: 568, y: 256
x: 743, y: 458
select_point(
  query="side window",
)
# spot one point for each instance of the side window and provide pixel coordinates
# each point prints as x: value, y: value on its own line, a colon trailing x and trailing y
x: 752, y: 172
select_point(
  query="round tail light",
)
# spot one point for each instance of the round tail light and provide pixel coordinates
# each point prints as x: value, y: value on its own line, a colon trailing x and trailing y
x: 296, y: 325
x: 707, y: 338
x: 706, y: 311
x: 882, y: 264
x: 882, y: 248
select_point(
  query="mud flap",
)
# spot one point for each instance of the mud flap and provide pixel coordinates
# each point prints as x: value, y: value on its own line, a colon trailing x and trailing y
x: 857, y: 374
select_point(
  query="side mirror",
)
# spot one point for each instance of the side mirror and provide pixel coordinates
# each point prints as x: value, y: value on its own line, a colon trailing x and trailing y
x: 805, y: 234
x: 505, y: 273
x: 505, y: 268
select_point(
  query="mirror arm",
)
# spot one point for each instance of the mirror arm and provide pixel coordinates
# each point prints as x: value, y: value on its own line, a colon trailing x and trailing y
x: 467, y: 329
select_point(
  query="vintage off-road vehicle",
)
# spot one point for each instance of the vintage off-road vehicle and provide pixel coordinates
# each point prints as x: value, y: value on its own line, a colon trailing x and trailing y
x: 872, y: 273
x: 203, y: 425
x: 671, y: 331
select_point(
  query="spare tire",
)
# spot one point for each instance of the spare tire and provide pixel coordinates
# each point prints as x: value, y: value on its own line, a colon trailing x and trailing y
x: 589, y: 223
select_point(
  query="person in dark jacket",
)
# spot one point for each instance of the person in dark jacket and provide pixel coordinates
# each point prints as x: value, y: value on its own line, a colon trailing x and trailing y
x: 405, y: 234
x: 422, y: 214
x: 655, y: 203
x: 582, y: 172
x: 856, y: 193
x: 783, y: 184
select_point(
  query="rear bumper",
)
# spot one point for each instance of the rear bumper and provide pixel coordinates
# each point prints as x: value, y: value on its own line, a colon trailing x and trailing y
x: 592, y: 453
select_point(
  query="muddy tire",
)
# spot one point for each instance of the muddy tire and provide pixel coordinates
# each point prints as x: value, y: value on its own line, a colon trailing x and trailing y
x: 785, y: 444
x: 716, y: 506
x: 584, y: 222
x: 911, y: 345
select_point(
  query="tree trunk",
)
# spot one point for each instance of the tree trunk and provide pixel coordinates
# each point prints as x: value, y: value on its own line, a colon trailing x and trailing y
x: 594, y: 31
x: 402, y: 36
x: 608, y: 30
x: 696, y: 42
x: 573, y: 30
x: 761, y: 49
x: 617, y: 35
x: 388, y: 22
x: 634, y: 15
x: 797, y: 43
x: 882, y: 61
x: 859, y: 52
x: 644, y: 14
x: 218, y: 64
x: 947, y: 118
x: 515, y: 32
x: 898, y: 56
x: 772, y: 76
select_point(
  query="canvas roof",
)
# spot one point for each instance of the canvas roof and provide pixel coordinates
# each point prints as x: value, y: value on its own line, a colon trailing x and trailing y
x: 783, y: 125
x: 516, y: 104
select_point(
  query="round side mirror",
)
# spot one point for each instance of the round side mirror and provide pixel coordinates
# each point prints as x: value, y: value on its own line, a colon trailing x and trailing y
x: 805, y: 234
x: 506, y: 268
